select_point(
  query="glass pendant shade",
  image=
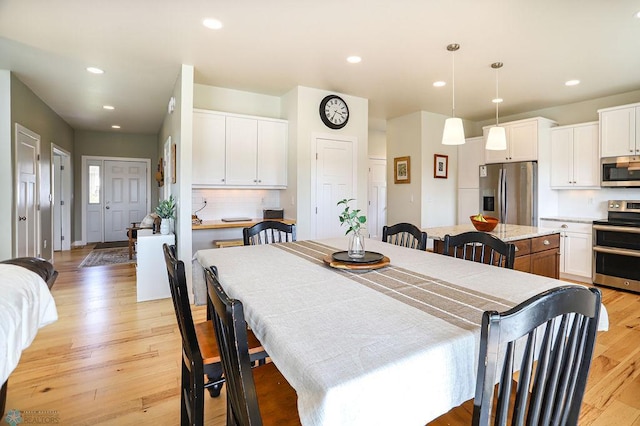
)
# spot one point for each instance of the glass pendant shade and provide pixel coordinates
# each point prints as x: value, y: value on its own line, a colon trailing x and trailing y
x: 453, y: 133
x: 497, y: 139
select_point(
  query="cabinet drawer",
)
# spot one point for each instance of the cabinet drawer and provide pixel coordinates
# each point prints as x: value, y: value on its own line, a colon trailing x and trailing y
x: 545, y: 242
x: 523, y: 247
x: 567, y: 226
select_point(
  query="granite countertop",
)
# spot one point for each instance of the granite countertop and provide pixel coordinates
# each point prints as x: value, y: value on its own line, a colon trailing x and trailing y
x: 571, y: 219
x: 503, y: 231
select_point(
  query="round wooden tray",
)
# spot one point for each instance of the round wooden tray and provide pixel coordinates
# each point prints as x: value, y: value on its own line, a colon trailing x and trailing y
x: 328, y: 259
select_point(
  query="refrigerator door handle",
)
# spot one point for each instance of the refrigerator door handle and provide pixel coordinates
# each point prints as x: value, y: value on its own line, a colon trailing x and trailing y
x: 505, y: 207
x: 501, y: 198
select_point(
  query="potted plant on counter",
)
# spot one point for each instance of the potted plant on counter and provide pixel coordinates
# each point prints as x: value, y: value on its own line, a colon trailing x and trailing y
x: 355, y: 223
x: 166, y: 210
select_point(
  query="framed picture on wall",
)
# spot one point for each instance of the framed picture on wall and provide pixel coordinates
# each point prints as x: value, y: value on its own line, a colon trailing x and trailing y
x: 440, y: 166
x: 402, y: 167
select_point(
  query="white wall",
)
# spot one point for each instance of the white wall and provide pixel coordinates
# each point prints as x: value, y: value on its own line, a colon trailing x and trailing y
x: 591, y: 203
x: 6, y: 169
x: 236, y: 101
x: 234, y: 202
x: 377, y: 143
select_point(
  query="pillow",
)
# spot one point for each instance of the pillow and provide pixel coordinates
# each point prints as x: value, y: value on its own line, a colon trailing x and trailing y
x: 148, y: 220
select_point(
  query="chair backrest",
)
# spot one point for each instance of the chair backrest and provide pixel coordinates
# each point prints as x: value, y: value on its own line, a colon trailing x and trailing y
x: 406, y: 235
x: 231, y: 334
x: 480, y: 247
x: 551, y: 391
x: 180, y: 298
x: 267, y: 232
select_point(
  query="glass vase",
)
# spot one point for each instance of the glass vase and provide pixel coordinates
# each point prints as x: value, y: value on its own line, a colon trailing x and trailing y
x: 356, y: 245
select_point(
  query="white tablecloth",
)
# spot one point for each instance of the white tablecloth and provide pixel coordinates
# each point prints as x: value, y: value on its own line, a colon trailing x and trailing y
x: 26, y: 305
x: 356, y: 355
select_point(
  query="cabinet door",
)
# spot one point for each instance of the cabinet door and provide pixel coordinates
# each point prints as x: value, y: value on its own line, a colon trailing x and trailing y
x: 272, y: 153
x: 586, y: 167
x: 577, y: 254
x: 491, y: 156
x: 562, y: 173
x: 546, y: 263
x: 618, y: 131
x: 522, y: 139
x: 208, y: 149
x: 241, y: 147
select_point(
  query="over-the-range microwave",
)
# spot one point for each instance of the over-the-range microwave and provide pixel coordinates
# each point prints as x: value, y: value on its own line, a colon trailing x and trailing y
x: 620, y: 171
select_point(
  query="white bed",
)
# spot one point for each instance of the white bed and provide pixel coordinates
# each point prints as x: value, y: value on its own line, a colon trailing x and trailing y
x: 26, y: 305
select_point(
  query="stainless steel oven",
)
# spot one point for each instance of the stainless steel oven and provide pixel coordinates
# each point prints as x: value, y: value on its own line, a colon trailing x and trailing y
x: 616, y: 246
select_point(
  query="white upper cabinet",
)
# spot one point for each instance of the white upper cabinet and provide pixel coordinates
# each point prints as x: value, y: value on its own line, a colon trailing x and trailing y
x: 239, y: 151
x: 522, y: 141
x: 574, y: 156
x: 620, y: 131
x: 208, y: 149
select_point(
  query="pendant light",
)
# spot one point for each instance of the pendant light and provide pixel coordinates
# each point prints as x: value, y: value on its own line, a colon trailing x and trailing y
x: 453, y: 133
x: 497, y: 139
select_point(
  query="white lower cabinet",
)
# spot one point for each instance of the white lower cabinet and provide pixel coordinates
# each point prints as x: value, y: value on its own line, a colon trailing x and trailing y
x: 576, y: 248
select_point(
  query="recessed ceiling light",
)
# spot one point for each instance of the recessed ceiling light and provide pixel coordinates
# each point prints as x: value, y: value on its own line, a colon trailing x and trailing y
x: 637, y: 15
x: 497, y: 100
x: 107, y: 107
x: 212, y: 24
x: 115, y: 126
x: 354, y: 59
x: 94, y: 70
x: 439, y: 84
x: 572, y: 83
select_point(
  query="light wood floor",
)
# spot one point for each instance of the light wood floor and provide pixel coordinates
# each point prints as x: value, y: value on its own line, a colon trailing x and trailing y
x: 109, y: 360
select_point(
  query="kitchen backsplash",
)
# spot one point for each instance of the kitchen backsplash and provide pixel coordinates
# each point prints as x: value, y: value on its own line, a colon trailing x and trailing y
x: 233, y: 202
x: 592, y: 203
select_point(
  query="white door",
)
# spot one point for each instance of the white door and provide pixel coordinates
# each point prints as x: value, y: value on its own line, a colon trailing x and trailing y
x: 28, y: 178
x: 377, y: 210
x: 335, y: 180
x: 125, y: 197
x: 61, y: 198
x: 56, y: 210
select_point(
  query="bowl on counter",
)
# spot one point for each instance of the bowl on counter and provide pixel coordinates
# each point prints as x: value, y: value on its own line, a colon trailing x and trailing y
x: 488, y: 226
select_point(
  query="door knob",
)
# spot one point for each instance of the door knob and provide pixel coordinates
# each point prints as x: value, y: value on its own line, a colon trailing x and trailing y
x: 107, y: 207
x: 22, y: 218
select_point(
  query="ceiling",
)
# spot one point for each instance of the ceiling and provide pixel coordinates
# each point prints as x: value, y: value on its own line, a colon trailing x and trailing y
x: 270, y: 47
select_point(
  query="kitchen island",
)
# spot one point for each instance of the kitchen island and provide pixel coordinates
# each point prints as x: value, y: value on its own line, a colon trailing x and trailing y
x: 537, y: 249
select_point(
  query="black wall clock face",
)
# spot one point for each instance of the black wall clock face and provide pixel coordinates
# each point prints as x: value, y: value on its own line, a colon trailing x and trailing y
x: 334, y: 112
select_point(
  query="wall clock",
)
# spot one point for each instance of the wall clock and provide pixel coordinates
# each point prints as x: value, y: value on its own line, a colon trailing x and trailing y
x: 334, y: 112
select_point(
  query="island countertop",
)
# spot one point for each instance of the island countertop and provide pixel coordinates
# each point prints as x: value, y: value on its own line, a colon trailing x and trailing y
x: 505, y: 232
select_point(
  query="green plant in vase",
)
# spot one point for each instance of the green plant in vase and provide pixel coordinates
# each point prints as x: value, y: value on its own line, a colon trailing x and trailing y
x: 166, y: 210
x: 355, y: 222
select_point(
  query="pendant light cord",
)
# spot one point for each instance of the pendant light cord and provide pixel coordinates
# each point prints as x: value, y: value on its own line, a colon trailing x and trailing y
x: 453, y: 83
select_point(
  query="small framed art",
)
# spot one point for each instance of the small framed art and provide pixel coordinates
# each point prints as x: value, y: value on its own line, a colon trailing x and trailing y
x: 402, y: 167
x: 440, y: 166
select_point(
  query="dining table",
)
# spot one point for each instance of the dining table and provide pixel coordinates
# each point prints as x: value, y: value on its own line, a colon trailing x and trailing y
x: 395, y: 343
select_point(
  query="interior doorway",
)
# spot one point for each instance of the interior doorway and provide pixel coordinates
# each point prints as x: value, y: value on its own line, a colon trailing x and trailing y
x: 61, y: 192
x: 115, y: 193
x: 335, y: 179
x: 377, y: 189
x: 27, y: 177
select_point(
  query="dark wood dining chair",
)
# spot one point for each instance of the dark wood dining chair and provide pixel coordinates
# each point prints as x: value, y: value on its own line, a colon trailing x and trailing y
x: 258, y: 396
x: 480, y: 247
x: 267, y: 232
x: 552, y: 364
x: 200, y: 353
x: 406, y: 235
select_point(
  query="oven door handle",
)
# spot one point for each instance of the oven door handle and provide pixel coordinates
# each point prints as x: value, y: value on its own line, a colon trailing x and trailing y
x: 628, y: 229
x: 623, y: 252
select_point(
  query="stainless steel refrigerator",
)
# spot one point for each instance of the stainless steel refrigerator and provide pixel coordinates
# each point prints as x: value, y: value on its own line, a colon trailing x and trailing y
x: 509, y: 191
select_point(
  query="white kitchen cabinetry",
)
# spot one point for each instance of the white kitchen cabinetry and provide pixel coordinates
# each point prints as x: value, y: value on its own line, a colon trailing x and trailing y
x: 470, y: 157
x: 620, y: 131
x: 576, y: 248
x: 522, y: 140
x: 253, y: 151
x: 151, y: 275
x: 574, y: 156
x: 208, y: 149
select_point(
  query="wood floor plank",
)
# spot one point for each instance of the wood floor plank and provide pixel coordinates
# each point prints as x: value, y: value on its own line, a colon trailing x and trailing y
x: 110, y: 360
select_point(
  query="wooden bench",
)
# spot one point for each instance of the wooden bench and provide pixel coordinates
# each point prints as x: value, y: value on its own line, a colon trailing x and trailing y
x: 228, y: 243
